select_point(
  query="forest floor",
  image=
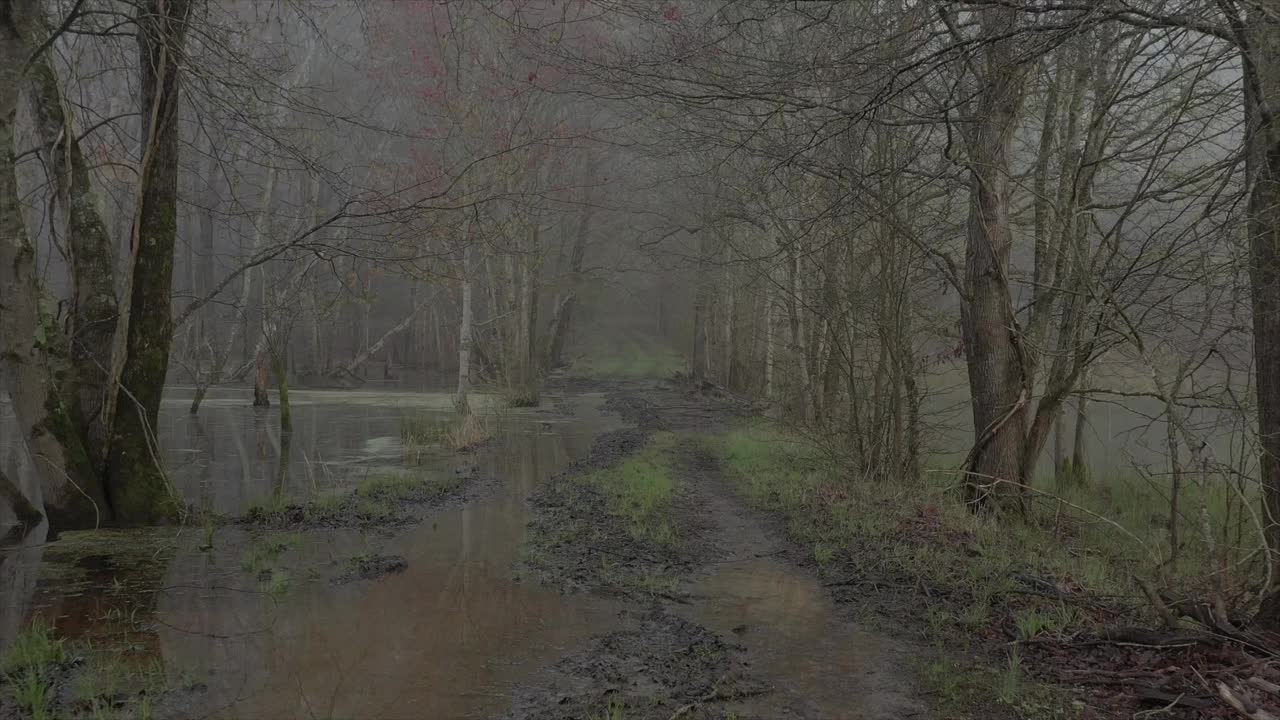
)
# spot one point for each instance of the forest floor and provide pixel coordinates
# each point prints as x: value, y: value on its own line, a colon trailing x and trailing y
x: 764, y: 588
x: 726, y: 622
x: 733, y: 573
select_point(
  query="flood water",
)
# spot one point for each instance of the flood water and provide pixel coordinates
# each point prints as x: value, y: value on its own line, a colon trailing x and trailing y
x: 447, y: 637
x: 450, y: 636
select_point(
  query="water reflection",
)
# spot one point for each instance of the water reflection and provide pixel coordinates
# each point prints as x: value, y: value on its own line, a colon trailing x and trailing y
x: 445, y: 638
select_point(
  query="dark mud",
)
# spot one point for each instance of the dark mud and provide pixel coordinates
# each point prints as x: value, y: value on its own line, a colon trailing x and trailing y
x: 733, y: 627
x: 577, y: 544
x: 369, y: 567
x: 371, y: 509
x: 662, y: 668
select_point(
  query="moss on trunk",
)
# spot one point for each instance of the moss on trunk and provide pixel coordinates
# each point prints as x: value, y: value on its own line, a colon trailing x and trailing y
x: 137, y: 487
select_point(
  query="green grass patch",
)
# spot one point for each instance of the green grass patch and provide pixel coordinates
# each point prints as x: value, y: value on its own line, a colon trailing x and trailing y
x: 47, y: 677
x: 263, y: 553
x: 29, y: 667
x: 1077, y: 540
x: 990, y: 577
x: 420, y: 434
x: 34, y: 647
x: 640, y: 490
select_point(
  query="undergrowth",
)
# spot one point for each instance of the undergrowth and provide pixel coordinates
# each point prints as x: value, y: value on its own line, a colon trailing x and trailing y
x: 1068, y: 563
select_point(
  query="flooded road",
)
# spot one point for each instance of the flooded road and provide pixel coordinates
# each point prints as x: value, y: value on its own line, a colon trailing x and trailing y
x: 446, y: 637
x: 266, y: 621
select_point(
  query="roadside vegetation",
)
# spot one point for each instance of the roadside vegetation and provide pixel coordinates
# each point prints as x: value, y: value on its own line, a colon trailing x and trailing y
x: 1025, y: 607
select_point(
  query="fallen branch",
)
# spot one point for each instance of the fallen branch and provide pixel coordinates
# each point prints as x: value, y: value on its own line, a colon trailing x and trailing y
x: 1242, y: 704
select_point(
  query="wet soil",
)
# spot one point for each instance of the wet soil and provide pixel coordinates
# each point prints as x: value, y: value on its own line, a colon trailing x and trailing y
x: 663, y: 667
x: 744, y: 631
x: 368, y: 567
x: 464, y: 602
x: 575, y: 544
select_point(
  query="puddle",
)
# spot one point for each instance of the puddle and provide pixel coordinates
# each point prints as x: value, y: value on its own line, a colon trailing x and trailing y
x: 824, y: 666
x: 792, y: 632
x: 265, y: 633
x: 448, y: 636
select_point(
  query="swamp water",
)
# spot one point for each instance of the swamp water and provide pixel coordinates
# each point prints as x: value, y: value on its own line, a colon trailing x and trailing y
x: 249, y: 622
x: 268, y: 633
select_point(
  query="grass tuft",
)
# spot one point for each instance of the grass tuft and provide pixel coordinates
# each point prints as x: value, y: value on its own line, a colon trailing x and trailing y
x: 34, y: 647
x: 641, y: 489
x: 470, y: 432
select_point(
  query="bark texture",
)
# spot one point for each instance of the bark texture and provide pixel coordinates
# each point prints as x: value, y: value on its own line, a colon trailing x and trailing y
x: 989, y: 328
x: 1262, y: 97
x: 138, y: 490
x: 32, y: 350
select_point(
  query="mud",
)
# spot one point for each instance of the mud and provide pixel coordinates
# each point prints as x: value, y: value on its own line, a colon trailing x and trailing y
x: 663, y: 666
x: 576, y: 544
x: 352, y: 509
x: 743, y: 630
x: 369, y: 567
x: 504, y: 589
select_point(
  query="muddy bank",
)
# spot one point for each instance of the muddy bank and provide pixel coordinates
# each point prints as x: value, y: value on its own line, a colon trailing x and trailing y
x: 384, y: 501
x: 577, y: 542
x: 661, y: 668
x: 729, y: 624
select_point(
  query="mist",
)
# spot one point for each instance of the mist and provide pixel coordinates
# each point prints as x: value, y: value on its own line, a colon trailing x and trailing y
x: 639, y: 358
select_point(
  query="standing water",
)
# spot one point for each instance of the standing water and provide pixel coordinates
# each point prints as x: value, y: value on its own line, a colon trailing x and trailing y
x: 270, y: 633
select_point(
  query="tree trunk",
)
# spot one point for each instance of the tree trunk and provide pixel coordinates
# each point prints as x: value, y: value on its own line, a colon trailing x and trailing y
x: 562, y: 317
x: 137, y: 487
x: 280, y: 369
x: 700, y: 355
x: 769, y: 352
x: 1060, y: 448
x: 33, y: 361
x: 1080, y: 463
x: 91, y: 330
x: 465, y: 328
x: 1262, y: 144
x: 373, y: 349
x: 261, y: 377
x: 989, y: 329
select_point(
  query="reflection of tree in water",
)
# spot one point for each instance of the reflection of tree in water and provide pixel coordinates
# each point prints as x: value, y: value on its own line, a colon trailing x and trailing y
x: 425, y: 639
x: 282, y: 466
x: 19, y: 570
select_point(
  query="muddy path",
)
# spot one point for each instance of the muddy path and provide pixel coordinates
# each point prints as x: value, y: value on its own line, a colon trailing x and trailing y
x: 725, y: 623
x: 490, y: 584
